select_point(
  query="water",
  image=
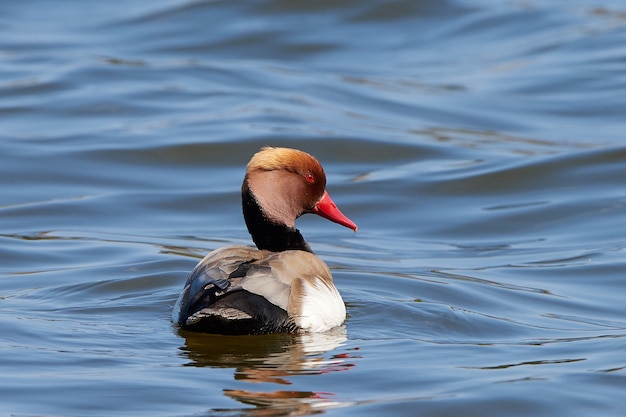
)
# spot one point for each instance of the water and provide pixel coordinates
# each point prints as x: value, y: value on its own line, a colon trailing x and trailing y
x: 478, y: 145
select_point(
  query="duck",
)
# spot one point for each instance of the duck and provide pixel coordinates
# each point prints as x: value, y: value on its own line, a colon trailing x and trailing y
x: 279, y: 286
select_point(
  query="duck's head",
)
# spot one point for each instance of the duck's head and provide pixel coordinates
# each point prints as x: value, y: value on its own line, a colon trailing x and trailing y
x: 286, y: 183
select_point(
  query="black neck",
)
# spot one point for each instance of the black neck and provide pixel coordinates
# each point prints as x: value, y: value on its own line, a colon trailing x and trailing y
x: 267, y: 234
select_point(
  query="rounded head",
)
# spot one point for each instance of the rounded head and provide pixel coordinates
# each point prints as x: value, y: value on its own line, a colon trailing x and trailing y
x: 306, y: 190
x: 287, y: 183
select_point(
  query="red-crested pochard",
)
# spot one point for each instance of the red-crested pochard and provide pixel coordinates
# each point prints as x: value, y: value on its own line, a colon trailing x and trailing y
x: 281, y: 286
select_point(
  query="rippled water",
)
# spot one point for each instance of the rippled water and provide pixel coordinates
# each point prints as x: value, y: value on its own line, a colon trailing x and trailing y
x: 478, y: 145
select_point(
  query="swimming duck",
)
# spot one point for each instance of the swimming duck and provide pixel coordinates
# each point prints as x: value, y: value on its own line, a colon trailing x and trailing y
x: 280, y: 286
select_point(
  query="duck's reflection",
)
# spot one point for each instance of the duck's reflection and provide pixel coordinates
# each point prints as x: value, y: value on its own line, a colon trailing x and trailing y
x: 283, y: 403
x: 273, y: 359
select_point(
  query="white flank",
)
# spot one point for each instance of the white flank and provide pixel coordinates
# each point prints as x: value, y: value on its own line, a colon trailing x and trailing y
x: 322, y: 307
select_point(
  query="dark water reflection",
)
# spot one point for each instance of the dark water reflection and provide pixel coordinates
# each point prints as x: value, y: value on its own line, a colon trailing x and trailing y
x: 274, y: 360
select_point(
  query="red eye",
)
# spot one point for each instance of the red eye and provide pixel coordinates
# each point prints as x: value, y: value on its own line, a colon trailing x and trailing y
x: 310, y: 178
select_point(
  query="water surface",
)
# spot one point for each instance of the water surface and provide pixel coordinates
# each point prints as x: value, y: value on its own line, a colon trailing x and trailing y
x: 478, y: 146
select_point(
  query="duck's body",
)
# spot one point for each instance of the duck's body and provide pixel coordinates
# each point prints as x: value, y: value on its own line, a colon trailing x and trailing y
x: 242, y: 290
x: 281, y: 286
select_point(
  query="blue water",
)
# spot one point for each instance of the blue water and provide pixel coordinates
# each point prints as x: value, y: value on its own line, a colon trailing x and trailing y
x: 478, y: 145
